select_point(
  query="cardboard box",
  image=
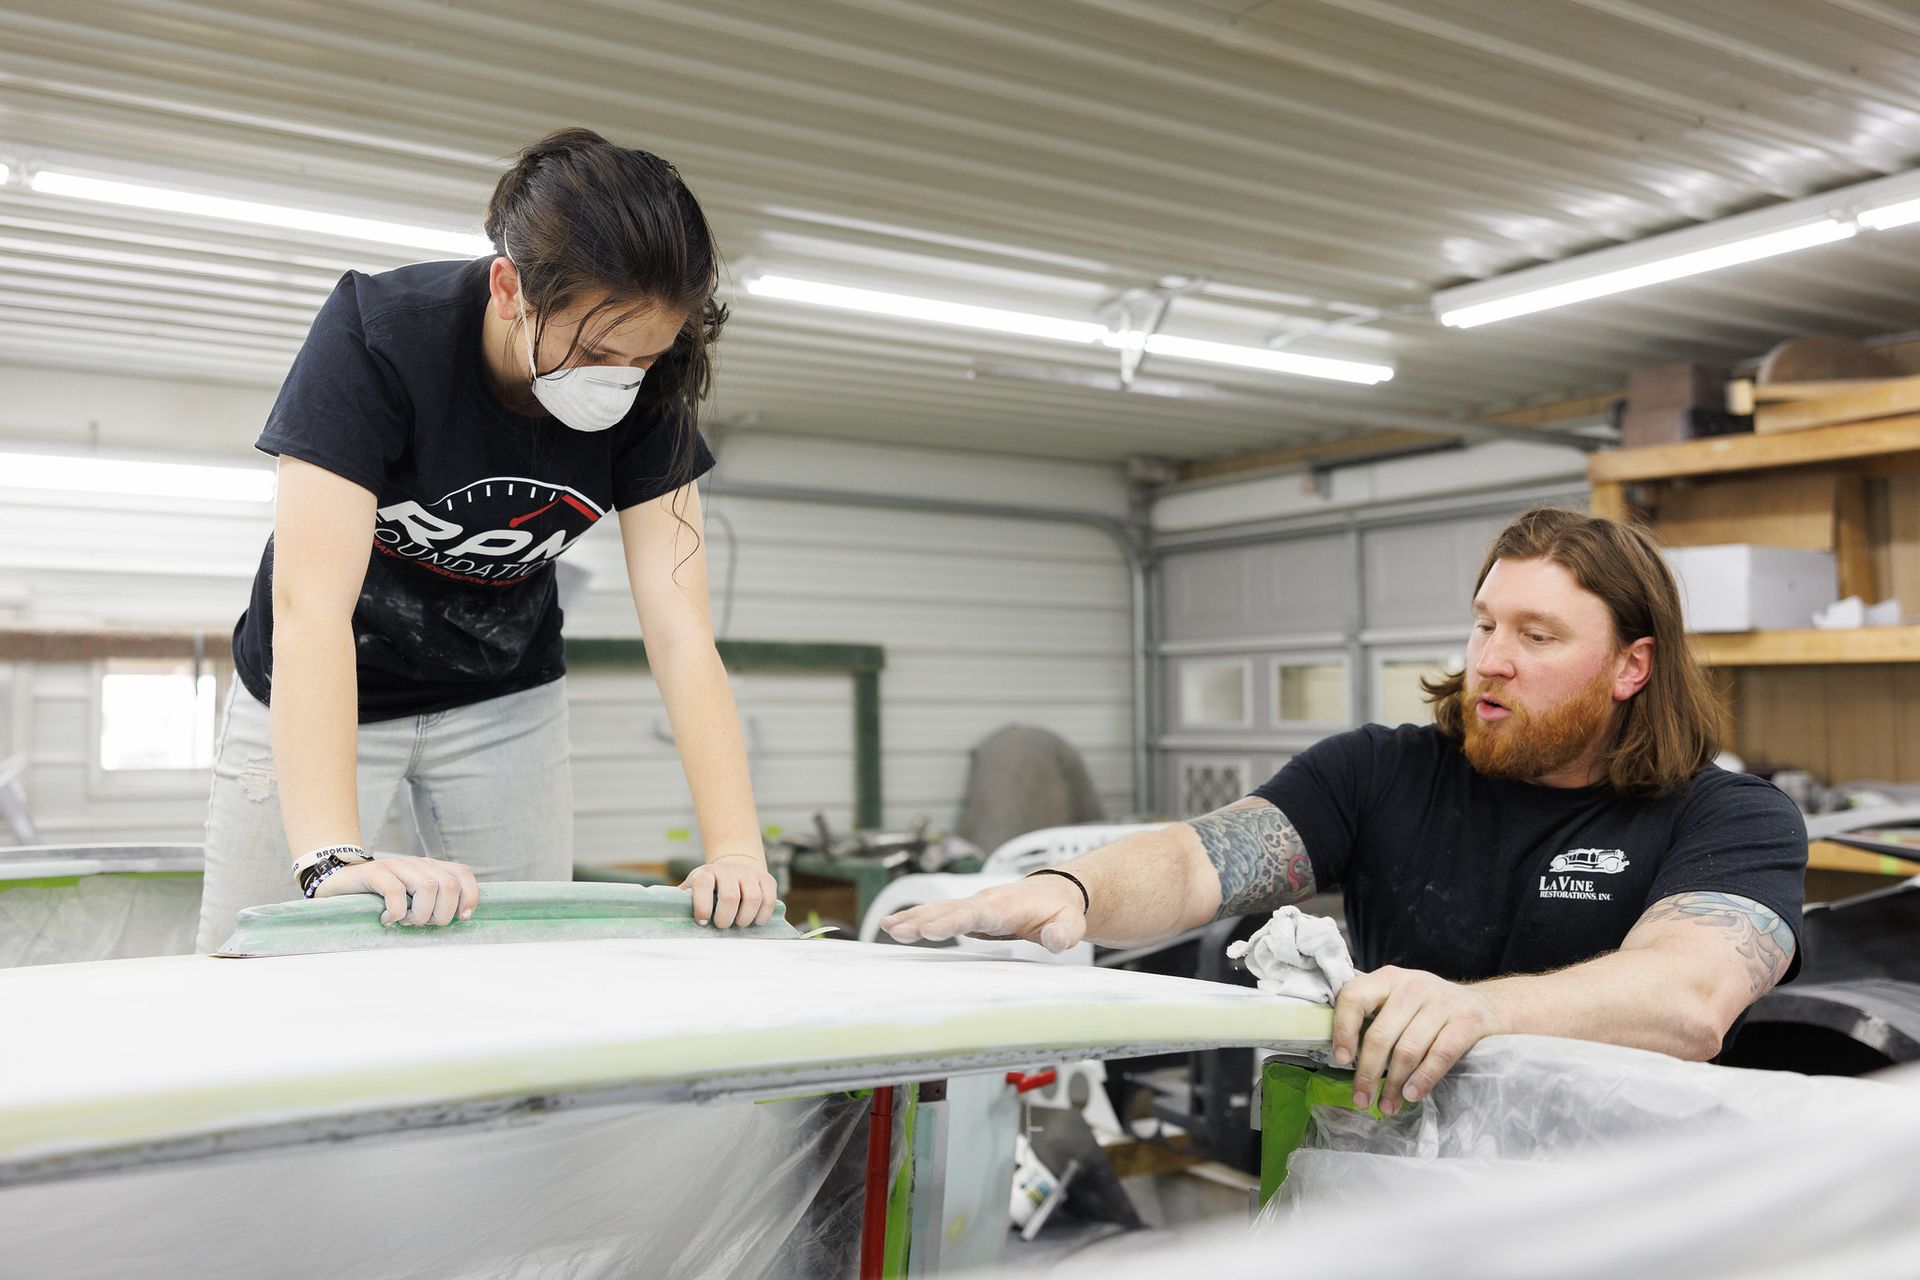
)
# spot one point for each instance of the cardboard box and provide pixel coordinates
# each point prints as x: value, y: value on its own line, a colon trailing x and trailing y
x: 1677, y: 386
x: 1738, y: 586
x: 1640, y: 428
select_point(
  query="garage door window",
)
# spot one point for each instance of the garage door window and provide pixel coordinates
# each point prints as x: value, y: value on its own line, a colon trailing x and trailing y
x: 156, y: 714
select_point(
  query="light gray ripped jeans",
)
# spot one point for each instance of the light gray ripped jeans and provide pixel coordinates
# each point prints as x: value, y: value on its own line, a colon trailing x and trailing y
x: 489, y: 783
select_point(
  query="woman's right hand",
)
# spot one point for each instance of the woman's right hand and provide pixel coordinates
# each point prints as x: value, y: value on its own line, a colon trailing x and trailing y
x: 418, y: 891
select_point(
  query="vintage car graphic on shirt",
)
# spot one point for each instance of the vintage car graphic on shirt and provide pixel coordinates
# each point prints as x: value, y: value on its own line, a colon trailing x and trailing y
x: 1570, y: 874
x: 1610, y: 861
x: 496, y: 531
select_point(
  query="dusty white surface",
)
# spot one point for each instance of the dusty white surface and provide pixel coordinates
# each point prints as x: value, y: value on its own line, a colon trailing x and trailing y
x: 131, y: 1051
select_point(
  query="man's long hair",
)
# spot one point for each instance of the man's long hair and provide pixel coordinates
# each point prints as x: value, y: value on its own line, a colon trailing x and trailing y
x: 1673, y: 727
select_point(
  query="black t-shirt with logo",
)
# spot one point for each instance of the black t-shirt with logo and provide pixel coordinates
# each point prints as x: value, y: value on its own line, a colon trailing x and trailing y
x: 475, y: 501
x: 1470, y: 877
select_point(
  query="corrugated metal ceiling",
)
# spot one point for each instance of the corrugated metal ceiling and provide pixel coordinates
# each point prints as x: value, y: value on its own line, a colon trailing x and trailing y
x: 1324, y: 165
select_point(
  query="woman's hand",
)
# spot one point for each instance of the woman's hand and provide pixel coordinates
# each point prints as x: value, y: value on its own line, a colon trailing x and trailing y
x: 733, y: 889
x: 418, y: 890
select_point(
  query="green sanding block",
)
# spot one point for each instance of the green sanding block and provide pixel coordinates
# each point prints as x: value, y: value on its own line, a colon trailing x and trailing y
x: 509, y: 911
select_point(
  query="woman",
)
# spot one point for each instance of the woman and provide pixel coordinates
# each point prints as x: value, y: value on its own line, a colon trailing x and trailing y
x: 447, y: 431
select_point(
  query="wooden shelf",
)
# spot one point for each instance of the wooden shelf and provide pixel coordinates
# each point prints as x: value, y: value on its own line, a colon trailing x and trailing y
x: 1825, y: 855
x: 1788, y: 648
x: 1890, y: 444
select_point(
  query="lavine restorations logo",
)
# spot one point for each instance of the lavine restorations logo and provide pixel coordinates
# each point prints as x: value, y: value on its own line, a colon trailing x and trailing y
x: 1575, y: 885
x: 495, y: 531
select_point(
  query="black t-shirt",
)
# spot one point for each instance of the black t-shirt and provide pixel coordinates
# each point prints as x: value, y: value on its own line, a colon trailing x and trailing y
x: 475, y: 501
x: 1470, y: 877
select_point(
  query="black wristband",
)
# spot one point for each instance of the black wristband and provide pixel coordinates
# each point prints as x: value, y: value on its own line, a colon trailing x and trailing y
x: 1086, y: 899
x: 314, y: 874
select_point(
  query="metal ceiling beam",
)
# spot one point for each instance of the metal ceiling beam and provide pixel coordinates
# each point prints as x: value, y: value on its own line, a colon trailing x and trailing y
x: 1313, y: 410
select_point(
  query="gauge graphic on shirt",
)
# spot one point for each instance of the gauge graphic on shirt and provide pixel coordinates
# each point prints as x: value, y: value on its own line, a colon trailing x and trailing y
x: 498, y: 531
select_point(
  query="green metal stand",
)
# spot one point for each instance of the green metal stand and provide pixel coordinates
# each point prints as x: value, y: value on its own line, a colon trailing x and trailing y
x: 863, y: 663
x: 1288, y: 1094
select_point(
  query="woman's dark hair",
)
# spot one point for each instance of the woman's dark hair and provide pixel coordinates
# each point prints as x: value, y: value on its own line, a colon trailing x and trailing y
x: 578, y: 215
x: 1674, y: 726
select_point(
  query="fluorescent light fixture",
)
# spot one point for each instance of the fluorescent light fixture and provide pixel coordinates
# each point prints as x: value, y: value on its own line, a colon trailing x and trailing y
x: 195, y: 204
x: 135, y: 478
x: 1890, y: 215
x: 876, y: 303
x: 1086, y: 333
x: 1166, y: 344
x: 1608, y: 271
x: 1874, y: 205
x: 5, y: 173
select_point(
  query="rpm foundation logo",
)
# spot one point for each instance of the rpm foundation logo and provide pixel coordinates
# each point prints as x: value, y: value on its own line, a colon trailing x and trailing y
x: 496, y: 531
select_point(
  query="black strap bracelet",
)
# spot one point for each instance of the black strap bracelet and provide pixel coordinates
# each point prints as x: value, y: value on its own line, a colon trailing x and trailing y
x: 1086, y: 899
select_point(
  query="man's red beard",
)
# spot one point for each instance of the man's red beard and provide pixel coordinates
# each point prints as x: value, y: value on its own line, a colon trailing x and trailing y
x: 1523, y: 745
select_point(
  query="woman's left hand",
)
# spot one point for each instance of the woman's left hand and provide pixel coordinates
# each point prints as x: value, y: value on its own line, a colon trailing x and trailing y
x: 733, y: 889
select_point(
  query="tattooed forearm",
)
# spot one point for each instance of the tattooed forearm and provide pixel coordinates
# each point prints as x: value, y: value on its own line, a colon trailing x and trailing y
x: 1261, y: 861
x: 1761, y: 939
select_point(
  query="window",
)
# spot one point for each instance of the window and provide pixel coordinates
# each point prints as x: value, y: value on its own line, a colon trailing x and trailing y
x: 1310, y: 690
x: 156, y: 713
x: 1216, y: 694
x: 1397, y: 695
x: 1206, y: 785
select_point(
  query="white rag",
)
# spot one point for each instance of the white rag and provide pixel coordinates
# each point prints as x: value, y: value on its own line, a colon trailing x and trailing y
x: 1296, y: 955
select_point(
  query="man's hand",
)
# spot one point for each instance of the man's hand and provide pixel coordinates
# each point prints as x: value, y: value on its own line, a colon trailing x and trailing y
x: 1044, y: 909
x: 418, y: 891
x: 1422, y: 1025
x: 733, y: 889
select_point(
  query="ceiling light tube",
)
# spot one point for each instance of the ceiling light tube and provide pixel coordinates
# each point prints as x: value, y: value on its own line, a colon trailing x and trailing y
x: 125, y: 477
x: 197, y: 204
x: 1026, y: 324
x: 905, y: 307
x: 1887, y: 216
x: 1166, y: 344
x: 1629, y: 266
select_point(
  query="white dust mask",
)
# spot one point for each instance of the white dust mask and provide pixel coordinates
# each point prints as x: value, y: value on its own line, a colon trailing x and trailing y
x: 586, y: 397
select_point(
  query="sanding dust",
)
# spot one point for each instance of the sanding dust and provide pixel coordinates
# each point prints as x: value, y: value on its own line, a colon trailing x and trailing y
x: 1297, y: 955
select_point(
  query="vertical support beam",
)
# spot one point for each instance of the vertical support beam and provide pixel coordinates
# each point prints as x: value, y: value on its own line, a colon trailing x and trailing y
x: 1853, y: 540
x: 868, y: 803
x: 1359, y: 670
x: 1610, y: 500
x: 1144, y: 569
x: 917, y: 1215
x: 878, y: 1190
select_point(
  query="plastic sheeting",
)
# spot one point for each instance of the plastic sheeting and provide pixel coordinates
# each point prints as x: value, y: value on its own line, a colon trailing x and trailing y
x: 97, y: 917
x: 1522, y: 1099
x: 983, y: 1117
x: 681, y: 1193
x: 1560, y: 1158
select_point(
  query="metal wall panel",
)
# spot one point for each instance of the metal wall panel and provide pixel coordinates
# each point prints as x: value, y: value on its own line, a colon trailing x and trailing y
x: 1421, y: 575
x: 1207, y: 595
x: 985, y: 622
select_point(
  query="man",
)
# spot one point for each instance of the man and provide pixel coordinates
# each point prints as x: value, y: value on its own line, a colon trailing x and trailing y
x: 1556, y: 854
